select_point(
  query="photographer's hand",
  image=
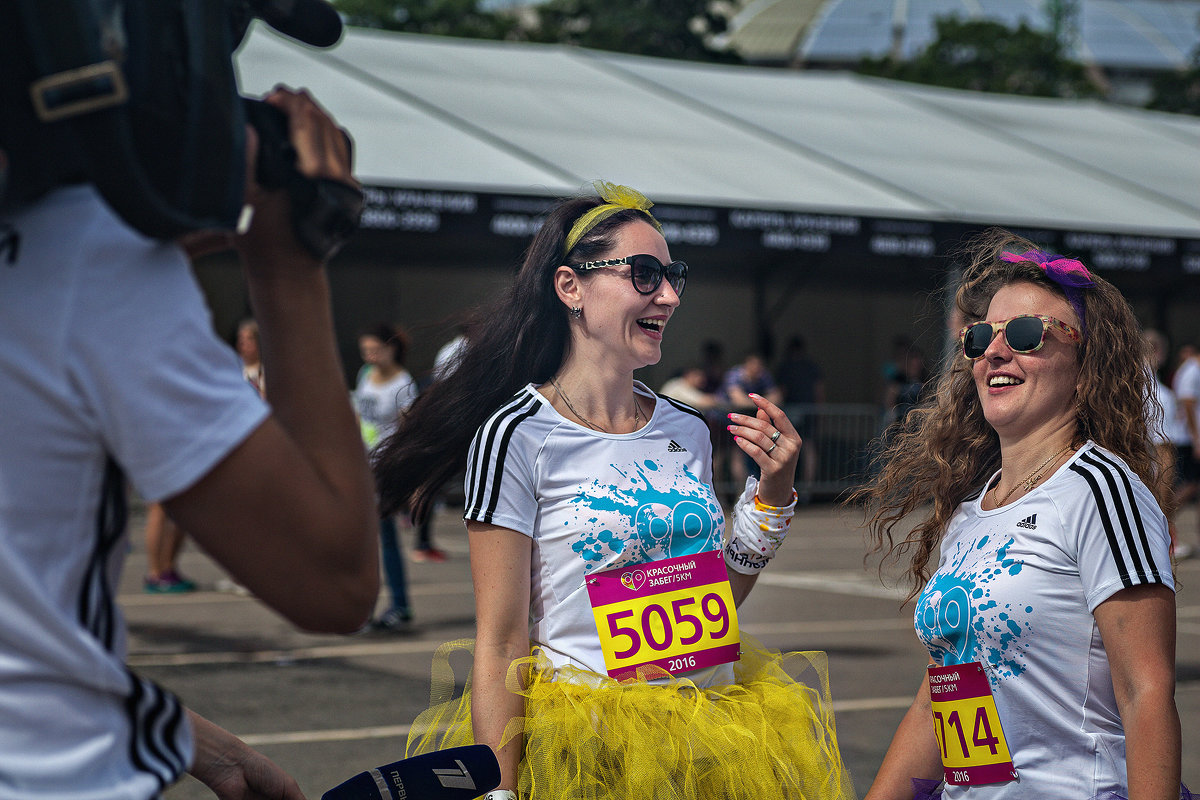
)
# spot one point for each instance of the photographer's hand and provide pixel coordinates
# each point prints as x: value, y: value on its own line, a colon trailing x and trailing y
x: 322, y: 153
x: 322, y: 148
x: 291, y: 512
x: 232, y: 770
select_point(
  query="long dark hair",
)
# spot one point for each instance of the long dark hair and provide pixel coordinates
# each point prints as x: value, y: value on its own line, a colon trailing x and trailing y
x: 523, y: 337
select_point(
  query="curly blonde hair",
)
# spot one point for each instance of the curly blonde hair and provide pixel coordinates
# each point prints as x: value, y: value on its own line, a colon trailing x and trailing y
x: 945, y: 449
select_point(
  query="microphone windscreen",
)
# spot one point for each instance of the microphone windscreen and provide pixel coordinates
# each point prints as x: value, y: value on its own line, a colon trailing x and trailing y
x: 458, y: 773
x: 313, y: 22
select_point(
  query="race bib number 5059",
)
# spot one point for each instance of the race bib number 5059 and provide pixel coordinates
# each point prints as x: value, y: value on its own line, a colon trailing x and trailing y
x: 676, y: 614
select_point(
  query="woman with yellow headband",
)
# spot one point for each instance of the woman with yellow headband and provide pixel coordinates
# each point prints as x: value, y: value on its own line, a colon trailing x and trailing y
x: 608, y: 662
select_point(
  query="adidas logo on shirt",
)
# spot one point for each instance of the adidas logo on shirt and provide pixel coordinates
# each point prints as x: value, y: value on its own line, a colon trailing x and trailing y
x: 676, y: 447
x: 1029, y: 522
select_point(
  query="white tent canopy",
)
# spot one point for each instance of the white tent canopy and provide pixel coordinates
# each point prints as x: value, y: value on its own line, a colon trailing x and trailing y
x: 451, y: 115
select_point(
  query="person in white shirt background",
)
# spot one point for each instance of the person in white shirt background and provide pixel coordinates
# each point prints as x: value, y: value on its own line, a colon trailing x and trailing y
x: 1171, y: 440
x: 384, y: 392
x: 1186, y: 385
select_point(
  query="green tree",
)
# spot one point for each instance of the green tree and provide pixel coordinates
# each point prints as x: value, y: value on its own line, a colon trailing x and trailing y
x: 664, y: 28
x: 987, y: 56
x: 442, y: 17
x: 1178, y: 92
x: 1063, y: 16
x: 667, y: 28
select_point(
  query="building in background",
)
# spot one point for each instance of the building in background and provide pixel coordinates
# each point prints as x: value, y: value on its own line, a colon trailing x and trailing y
x: 1125, y: 43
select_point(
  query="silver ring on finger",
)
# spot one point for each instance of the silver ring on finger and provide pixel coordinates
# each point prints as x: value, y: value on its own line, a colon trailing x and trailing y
x: 775, y: 436
x: 772, y: 448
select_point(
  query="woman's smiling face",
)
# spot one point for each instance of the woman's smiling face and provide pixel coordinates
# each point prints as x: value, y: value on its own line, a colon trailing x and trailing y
x: 625, y: 325
x: 1028, y: 394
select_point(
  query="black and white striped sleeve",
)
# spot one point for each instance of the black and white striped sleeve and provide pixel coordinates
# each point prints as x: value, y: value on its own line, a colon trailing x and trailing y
x: 1120, y: 534
x: 500, y: 485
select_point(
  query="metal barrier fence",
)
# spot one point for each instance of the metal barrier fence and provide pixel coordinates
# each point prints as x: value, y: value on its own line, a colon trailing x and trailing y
x: 839, y: 440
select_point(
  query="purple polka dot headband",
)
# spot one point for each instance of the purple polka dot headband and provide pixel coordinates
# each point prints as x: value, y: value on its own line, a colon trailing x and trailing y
x: 1069, y: 273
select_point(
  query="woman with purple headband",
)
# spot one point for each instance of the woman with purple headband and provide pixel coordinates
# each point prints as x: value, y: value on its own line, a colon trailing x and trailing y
x: 1050, y: 614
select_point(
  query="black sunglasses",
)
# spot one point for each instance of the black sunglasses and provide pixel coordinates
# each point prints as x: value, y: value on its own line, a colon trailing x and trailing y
x: 1024, y: 334
x: 645, y: 272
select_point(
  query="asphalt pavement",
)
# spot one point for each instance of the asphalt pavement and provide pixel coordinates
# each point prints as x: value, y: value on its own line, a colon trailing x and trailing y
x: 328, y: 707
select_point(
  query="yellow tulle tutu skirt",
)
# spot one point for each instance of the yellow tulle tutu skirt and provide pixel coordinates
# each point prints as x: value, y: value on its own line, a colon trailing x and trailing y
x: 588, y: 737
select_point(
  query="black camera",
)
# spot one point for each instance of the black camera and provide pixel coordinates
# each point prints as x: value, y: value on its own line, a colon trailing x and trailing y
x: 92, y: 94
x: 325, y: 212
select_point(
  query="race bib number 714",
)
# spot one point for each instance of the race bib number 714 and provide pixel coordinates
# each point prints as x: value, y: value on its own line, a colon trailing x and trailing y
x: 967, y: 726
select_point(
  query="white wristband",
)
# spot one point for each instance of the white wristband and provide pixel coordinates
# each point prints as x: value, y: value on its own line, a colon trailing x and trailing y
x: 757, y: 531
x: 500, y: 794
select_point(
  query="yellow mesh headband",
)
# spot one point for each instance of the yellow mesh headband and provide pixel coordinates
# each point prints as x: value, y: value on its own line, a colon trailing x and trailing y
x: 617, y: 198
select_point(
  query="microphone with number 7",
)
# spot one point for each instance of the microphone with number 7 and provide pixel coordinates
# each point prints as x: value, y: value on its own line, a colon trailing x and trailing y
x: 457, y: 773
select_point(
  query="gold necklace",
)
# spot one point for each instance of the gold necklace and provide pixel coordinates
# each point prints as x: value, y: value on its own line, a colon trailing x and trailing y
x: 1030, y: 481
x: 637, y: 409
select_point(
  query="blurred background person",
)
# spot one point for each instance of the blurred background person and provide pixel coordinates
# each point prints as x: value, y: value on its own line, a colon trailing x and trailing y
x: 449, y: 354
x: 688, y: 387
x: 384, y: 392
x: 905, y: 389
x: 1186, y: 385
x: 894, y: 366
x: 803, y: 386
x: 1167, y: 432
x: 446, y: 360
x: 712, y: 361
x: 249, y: 349
x: 164, y: 542
x: 741, y: 381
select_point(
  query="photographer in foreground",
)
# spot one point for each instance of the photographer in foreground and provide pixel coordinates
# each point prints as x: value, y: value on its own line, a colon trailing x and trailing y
x: 109, y: 368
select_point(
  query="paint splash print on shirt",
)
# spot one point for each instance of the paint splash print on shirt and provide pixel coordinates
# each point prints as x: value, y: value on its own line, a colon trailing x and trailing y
x: 959, y: 622
x: 642, y: 512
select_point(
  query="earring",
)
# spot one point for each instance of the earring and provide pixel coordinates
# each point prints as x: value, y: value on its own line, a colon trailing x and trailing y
x: 576, y: 312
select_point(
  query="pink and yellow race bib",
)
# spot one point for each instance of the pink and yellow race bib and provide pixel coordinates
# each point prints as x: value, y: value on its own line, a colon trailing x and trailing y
x: 967, y: 726
x: 677, y: 614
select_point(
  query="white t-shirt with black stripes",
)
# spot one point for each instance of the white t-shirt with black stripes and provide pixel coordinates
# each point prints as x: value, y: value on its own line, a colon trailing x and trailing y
x: 593, y: 501
x: 106, y: 350
x: 1015, y: 590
